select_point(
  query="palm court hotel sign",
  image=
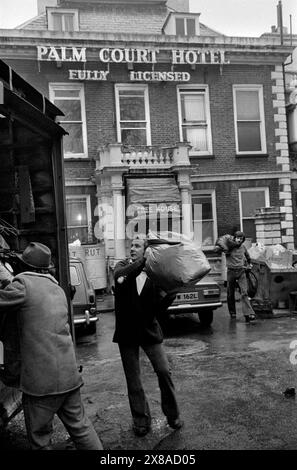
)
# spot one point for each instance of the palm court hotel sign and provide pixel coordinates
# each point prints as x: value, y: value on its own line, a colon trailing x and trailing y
x: 133, y: 56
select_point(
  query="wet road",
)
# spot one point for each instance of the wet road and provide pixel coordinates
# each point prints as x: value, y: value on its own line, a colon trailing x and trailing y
x: 229, y: 379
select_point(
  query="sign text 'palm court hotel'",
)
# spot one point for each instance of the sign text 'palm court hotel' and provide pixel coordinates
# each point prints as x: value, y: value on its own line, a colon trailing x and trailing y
x: 133, y: 56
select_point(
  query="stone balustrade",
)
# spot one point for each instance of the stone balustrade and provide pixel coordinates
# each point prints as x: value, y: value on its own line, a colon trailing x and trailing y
x: 118, y: 155
x: 147, y: 156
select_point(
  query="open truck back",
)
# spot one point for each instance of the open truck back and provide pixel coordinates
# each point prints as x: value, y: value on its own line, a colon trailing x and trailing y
x: 32, y: 199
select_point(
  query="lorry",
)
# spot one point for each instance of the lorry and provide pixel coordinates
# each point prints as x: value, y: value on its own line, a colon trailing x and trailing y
x: 32, y: 193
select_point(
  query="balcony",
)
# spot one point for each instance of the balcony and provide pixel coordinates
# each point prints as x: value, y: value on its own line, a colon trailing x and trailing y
x: 147, y: 156
x: 114, y: 156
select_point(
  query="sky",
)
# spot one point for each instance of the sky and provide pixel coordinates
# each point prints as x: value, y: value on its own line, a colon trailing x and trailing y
x: 231, y: 17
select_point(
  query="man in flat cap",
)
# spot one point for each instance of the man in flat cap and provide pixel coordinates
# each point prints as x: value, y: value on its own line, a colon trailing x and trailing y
x: 49, y: 377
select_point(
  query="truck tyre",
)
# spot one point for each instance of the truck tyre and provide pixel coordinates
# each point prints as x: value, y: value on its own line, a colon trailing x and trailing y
x: 206, y: 317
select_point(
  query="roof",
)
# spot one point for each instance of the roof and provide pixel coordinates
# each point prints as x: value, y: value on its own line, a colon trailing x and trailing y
x: 38, y: 21
x: 83, y: 3
x: 147, y: 17
x: 179, y: 13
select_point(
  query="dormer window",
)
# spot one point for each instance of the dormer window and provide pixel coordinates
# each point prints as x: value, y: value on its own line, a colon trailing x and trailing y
x: 182, y: 24
x: 62, y: 20
x: 185, y: 26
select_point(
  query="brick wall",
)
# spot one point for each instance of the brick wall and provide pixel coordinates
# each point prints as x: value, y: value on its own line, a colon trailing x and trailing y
x: 227, y: 200
x: 101, y: 121
x: 294, y: 208
x: 101, y: 126
x: 123, y: 19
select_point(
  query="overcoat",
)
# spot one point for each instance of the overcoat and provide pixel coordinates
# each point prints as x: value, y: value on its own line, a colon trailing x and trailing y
x: 136, y: 315
x: 47, y: 356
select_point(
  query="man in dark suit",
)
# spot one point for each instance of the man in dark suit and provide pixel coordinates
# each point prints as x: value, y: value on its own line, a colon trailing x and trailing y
x: 138, y: 301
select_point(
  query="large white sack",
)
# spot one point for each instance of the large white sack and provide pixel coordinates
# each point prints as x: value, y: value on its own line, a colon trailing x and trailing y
x: 172, y: 266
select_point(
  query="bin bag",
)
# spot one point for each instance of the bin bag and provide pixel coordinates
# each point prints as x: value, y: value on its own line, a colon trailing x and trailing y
x: 252, y: 283
x: 226, y: 242
x: 172, y: 265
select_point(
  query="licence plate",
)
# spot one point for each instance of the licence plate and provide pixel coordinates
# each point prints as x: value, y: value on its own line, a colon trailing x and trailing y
x: 187, y: 296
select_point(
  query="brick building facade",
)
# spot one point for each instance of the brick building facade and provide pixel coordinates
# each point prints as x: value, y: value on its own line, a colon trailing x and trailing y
x: 165, y: 117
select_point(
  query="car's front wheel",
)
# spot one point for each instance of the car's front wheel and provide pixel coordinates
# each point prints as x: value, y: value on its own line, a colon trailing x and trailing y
x: 206, y: 317
x: 91, y: 328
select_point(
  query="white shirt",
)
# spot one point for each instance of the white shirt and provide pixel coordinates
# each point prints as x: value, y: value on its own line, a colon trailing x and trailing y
x: 140, y: 281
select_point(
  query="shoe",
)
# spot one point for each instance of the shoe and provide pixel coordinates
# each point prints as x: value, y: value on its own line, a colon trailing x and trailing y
x: 249, y: 318
x: 233, y: 316
x: 141, y: 431
x: 175, y: 423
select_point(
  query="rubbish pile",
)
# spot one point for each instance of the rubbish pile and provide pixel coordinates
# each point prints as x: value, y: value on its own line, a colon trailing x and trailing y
x: 275, y: 256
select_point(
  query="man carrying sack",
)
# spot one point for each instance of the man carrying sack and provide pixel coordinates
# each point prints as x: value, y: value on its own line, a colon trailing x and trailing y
x: 138, y: 301
x: 238, y: 260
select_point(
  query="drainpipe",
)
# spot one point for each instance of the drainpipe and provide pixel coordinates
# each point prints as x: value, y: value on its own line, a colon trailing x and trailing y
x: 280, y: 21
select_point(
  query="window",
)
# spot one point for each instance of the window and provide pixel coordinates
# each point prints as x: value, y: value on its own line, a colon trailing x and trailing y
x: 251, y: 199
x: 70, y: 99
x: 249, y: 119
x: 204, y: 218
x: 74, y: 276
x: 78, y: 212
x: 194, y: 119
x: 132, y: 109
x: 62, y: 20
x: 185, y: 26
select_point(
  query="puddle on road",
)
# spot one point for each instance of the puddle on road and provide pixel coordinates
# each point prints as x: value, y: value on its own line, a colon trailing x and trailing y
x: 185, y: 347
x: 265, y: 346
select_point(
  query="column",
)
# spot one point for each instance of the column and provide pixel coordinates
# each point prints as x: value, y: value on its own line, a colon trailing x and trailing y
x: 119, y: 224
x: 186, y: 212
x: 282, y: 156
x: 268, y: 225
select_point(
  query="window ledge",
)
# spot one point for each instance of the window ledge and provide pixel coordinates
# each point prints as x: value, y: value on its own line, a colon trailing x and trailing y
x: 251, y: 155
x: 77, y: 159
x: 207, y: 155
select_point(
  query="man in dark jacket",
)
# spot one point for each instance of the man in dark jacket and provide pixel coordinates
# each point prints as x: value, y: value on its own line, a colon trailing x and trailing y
x: 137, y: 303
x: 238, y: 260
x: 49, y: 377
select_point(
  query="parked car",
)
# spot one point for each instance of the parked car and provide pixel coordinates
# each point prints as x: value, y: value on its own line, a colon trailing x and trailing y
x: 202, y: 298
x: 84, y: 299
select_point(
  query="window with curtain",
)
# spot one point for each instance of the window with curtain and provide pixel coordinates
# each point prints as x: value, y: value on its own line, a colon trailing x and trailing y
x: 194, y: 116
x: 63, y: 20
x: 185, y: 26
x: 78, y: 218
x: 204, y: 218
x: 70, y: 99
x: 133, y: 115
x: 251, y: 199
x: 249, y: 119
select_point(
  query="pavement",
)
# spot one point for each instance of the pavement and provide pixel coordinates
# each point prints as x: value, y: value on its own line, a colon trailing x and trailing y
x: 230, y: 382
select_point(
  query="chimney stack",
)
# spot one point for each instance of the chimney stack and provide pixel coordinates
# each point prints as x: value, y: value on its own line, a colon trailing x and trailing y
x: 179, y: 5
x: 42, y: 4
